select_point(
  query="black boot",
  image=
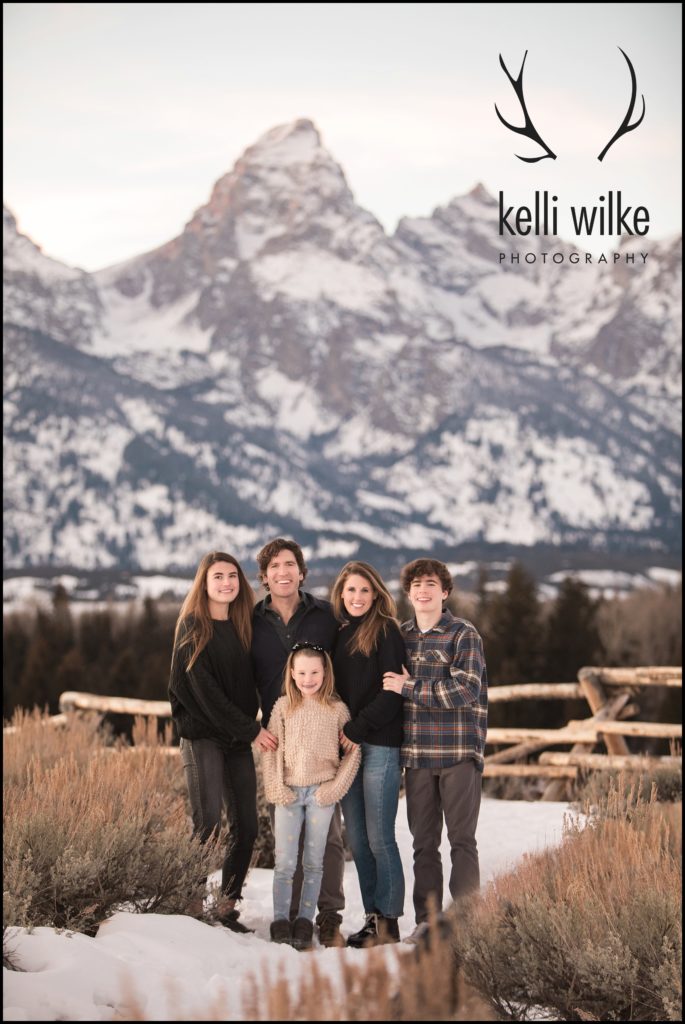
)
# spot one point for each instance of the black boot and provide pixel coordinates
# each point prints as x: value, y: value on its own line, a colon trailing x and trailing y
x: 231, y: 922
x: 302, y: 934
x: 367, y: 934
x: 388, y: 930
x: 279, y: 930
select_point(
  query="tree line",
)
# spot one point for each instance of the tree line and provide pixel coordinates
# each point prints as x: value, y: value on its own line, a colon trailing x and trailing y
x: 127, y: 652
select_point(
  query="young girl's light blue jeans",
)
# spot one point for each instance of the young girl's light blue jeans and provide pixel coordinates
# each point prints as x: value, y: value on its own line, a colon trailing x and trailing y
x: 288, y: 825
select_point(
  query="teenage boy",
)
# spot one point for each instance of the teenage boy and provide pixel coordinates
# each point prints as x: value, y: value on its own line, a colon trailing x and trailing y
x: 445, y: 722
x: 286, y: 616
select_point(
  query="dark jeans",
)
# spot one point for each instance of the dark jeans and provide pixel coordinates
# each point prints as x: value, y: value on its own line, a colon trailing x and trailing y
x: 215, y: 778
x: 431, y: 793
x: 331, y: 896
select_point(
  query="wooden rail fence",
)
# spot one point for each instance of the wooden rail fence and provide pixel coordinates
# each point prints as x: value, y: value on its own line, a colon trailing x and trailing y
x: 609, y: 692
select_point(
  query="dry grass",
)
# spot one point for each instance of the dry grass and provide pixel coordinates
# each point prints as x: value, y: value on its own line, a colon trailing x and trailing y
x: 89, y: 828
x: 591, y: 930
x: 392, y: 984
x: 35, y: 738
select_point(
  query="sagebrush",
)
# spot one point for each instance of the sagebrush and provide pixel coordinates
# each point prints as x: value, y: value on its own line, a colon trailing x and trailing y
x: 91, y: 828
x: 591, y: 930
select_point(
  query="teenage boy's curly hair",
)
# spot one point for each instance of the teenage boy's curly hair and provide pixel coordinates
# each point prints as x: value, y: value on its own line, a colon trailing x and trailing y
x: 426, y: 567
x: 273, y: 548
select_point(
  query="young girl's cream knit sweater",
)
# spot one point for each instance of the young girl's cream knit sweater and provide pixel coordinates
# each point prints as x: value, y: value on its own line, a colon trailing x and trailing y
x: 308, y: 752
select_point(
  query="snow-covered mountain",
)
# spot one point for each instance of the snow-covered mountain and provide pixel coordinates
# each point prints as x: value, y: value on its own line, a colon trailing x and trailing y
x: 285, y: 366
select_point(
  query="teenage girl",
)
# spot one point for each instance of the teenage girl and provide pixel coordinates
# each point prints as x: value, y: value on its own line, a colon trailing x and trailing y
x: 214, y: 706
x: 369, y: 644
x: 305, y: 777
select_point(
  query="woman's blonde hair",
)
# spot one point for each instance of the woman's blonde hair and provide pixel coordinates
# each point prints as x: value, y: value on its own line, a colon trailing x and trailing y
x: 383, y: 610
x: 194, y: 620
x: 327, y: 694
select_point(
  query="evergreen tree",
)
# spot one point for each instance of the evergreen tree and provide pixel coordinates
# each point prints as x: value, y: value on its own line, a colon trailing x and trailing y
x: 15, y: 646
x: 62, y: 622
x: 72, y: 673
x: 513, y: 647
x: 52, y: 637
x: 99, y: 648
x: 514, y: 636
x: 572, y: 634
x: 124, y: 680
x: 482, y: 598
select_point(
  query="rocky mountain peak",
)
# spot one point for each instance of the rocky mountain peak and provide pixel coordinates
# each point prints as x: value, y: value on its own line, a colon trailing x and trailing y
x: 277, y: 186
x: 9, y: 221
x: 481, y: 194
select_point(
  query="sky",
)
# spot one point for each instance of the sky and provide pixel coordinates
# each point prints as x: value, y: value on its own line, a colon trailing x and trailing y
x: 119, y: 118
x: 178, y: 968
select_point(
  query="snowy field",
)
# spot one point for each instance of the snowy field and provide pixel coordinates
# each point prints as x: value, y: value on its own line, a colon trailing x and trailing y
x: 177, y: 968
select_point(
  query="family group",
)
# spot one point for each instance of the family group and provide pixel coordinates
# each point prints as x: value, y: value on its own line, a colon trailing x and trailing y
x: 349, y: 699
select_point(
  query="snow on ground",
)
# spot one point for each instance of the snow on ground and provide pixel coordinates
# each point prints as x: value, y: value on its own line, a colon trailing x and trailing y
x: 175, y: 967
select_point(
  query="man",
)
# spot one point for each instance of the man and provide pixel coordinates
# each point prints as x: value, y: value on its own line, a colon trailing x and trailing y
x: 286, y: 616
x: 445, y: 723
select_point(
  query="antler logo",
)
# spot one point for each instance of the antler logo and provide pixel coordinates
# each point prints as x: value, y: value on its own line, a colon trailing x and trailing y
x: 530, y: 132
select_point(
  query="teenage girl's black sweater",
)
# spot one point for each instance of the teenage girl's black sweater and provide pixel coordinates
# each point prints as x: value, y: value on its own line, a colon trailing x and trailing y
x: 376, y: 713
x: 217, y: 698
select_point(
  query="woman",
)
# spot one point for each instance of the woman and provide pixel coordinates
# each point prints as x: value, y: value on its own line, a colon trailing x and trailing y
x: 370, y: 644
x: 214, y: 705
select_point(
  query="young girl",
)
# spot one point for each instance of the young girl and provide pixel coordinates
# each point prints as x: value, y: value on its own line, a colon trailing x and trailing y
x: 305, y: 777
x: 214, y: 706
x: 370, y: 644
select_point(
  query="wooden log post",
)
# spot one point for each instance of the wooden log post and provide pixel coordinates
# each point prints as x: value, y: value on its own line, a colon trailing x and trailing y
x: 645, y: 675
x: 530, y: 771
x: 653, y: 730
x: 534, y: 691
x: 596, y: 697
x: 519, y: 750
x: 604, y: 762
x: 73, y: 700
x: 602, y: 710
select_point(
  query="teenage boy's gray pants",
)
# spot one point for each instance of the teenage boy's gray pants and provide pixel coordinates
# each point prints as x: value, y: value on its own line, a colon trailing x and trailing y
x: 431, y: 794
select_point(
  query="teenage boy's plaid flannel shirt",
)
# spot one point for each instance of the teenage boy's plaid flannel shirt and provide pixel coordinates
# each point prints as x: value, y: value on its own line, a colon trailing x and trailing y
x: 446, y: 700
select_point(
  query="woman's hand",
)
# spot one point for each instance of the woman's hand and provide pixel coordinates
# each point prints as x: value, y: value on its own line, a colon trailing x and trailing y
x: 346, y: 744
x: 265, y: 740
x: 393, y: 681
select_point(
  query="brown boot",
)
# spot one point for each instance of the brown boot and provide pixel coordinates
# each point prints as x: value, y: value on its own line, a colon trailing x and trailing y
x: 329, y: 930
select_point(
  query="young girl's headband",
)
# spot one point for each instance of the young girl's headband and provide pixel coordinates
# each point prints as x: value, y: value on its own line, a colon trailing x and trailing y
x: 304, y: 646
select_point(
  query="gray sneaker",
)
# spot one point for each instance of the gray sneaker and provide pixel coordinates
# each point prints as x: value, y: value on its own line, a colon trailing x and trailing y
x: 419, y: 936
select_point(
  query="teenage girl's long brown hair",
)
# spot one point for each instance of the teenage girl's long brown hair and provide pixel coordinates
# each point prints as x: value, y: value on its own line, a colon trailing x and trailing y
x: 327, y: 694
x: 194, y: 614
x: 382, y: 612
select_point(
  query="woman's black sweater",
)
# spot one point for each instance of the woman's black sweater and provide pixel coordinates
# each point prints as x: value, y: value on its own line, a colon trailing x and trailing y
x: 217, y: 698
x: 376, y: 713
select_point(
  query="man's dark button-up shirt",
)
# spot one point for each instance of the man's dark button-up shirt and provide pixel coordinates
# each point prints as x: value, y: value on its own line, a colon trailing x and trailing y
x: 272, y: 641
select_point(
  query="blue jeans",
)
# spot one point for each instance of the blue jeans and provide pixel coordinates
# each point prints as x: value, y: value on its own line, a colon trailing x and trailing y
x: 288, y: 825
x: 370, y: 809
